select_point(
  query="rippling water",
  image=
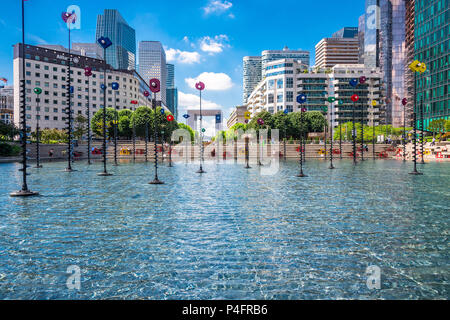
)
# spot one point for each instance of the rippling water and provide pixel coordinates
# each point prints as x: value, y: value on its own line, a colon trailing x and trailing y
x: 229, y: 234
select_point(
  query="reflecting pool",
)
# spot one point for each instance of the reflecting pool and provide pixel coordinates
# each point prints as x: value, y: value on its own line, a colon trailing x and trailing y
x: 229, y: 234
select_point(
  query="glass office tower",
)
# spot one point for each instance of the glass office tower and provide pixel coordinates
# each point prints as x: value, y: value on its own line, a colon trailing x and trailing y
x: 252, y: 75
x: 152, y: 64
x: 122, y: 53
x: 432, y: 46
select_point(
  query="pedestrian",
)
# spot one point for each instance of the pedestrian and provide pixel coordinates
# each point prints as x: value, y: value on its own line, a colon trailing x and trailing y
x: 50, y: 153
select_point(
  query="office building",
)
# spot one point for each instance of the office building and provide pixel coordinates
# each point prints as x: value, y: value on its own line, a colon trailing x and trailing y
x: 272, y: 55
x: 7, y: 104
x: 385, y: 48
x: 122, y: 54
x: 342, y: 48
x: 252, y: 74
x: 410, y: 52
x: 47, y: 69
x: 152, y: 64
x: 290, y: 78
x: 171, y: 90
x: 237, y: 116
x: 432, y: 46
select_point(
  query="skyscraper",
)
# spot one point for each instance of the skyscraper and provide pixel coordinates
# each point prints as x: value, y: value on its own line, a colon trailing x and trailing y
x: 432, y: 46
x: 170, y: 75
x: 171, y: 91
x: 152, y: 64
x: 122, y: 53
x: 384, y: 47
x: 286, y: 53
x: 252, y: 74
x: 342, y: 48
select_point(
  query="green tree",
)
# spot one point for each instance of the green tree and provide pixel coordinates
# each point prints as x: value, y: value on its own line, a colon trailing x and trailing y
x: 142, y: 117
x: 265, y: 116
x: 8, y: 131
x: 97, y: 122
x: 125, y: 123
x: 437, y: 127
x: 282, y: 123
x: 316, y: 121
x: 298, y: 125
x: 188, y: 128
x: 80, y: 126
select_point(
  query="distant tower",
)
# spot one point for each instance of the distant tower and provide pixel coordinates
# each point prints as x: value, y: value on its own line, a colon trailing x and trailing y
x: 122, y: 53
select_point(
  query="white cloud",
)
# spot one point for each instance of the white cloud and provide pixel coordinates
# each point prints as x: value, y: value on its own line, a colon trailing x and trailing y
x: 213, y: 45
x: 217, y: 6
x: 213, y: 81
x: 185, y: 57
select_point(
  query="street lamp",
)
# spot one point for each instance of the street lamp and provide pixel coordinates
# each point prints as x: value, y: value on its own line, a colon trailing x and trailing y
x: 200, y: 86
x: 69, y: 18
x: 24, y: 191
x: 301, y: 99
x: 105, y: 43
x: 37, y: 91
x: 155, y: 87
x: 170, y: 118
x: 88, y: 73
x: 416, y: 67
x: 115, y: 87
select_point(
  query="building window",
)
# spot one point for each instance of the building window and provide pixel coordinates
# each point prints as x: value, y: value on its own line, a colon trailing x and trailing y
x: 280, y: 98
x: 270, y: 98
x: 289, y: 83
x: 270, y: 84
x: 280, y: 83
x: 289, y: 96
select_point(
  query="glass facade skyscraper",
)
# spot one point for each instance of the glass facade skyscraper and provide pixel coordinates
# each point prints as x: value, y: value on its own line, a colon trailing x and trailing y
x: 152, y: 64
x: 432, y: 46
x: 171, y: 91
x: 122, y: 53
x: 384, y: 47
x: 252, y: 75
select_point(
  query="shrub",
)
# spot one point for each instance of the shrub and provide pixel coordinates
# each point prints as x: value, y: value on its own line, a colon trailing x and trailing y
x: 7, y: 150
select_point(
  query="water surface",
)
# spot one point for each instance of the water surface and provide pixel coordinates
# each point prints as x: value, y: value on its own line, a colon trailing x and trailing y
x: 228, y: 234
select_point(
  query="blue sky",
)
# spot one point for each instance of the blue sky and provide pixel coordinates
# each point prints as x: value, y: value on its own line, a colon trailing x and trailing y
x: 207, y: 37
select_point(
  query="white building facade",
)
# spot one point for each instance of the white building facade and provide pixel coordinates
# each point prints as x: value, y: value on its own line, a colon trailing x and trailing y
x: 47, y: 69
x: 288, y: 78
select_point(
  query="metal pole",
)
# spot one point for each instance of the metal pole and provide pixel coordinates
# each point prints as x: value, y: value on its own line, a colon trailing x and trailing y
x: 104, y: 173
x: 38, y: 153
x: 331, y: 137
x: 415, y: 172
x: 134, y: 139
x: 116, y: 119
x: 201, y: 137
x: 354, y: 134
x: 362, y: 132
x: 340, y: 140
x: 373, y: 133
x: 69, y: 112
x: 155, y: 137
x: 404, y: 133
x: 89, y: 122
x: 325, y: 134
x: 247, y: 151
x: 422, y: 125
x: 301, y: 174
x: 24, y: 192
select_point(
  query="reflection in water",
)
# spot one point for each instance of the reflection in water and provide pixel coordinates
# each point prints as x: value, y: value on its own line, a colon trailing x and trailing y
x: 229, y: 234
